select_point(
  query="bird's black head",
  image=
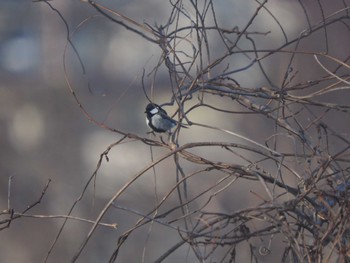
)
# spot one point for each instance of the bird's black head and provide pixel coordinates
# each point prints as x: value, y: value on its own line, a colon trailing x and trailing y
x: 152, y: 109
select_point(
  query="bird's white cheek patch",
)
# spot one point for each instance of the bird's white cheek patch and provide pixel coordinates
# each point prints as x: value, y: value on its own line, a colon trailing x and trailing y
x: 154, y: 111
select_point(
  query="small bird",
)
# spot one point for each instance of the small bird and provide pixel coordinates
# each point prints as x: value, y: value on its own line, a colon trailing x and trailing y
x: 158, y: 120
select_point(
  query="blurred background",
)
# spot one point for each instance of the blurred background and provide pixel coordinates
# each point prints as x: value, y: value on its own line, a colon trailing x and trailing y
x: 44, y: 134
